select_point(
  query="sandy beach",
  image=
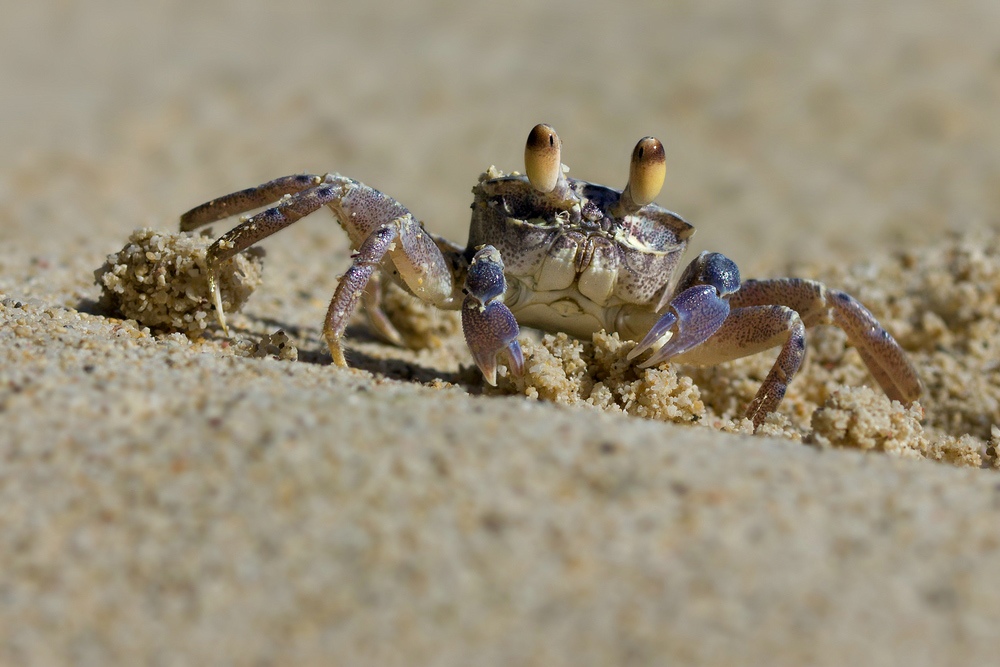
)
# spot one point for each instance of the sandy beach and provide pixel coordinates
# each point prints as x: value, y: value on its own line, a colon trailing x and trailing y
x: 175, y: 500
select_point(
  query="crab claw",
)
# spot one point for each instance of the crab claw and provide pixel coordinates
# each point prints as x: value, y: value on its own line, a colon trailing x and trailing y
x: 693, y: 316
x: 489, y: 326
x: 491, y: 331
x: 698, y: 308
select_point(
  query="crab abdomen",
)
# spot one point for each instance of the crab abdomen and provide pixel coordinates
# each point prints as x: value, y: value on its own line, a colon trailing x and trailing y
x: 579, y: 283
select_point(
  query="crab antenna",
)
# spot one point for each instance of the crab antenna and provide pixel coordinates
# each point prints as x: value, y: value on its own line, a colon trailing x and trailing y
x: 645, y: 176
x: 542, y: 158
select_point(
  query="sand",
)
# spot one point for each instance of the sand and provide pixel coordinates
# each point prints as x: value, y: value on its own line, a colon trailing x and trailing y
x: 176, y: 499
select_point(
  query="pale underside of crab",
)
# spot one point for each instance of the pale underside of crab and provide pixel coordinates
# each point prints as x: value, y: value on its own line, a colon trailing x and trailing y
x: 562, y: 254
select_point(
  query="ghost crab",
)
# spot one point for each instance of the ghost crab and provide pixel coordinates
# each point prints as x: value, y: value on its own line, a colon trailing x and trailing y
x: 561, y: 254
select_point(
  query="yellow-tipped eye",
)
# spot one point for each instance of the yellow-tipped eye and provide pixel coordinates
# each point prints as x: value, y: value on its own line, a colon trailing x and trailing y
x: 542, y: 158
x: 647, y: 171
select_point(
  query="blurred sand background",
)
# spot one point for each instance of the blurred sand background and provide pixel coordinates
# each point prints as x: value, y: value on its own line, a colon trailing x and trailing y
x: 168, y: 503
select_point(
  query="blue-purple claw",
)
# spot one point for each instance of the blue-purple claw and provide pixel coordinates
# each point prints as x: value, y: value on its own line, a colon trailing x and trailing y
x: 693, y: 316
x: 489, y: 326
x: 659, y: 330
x: 491, y: 331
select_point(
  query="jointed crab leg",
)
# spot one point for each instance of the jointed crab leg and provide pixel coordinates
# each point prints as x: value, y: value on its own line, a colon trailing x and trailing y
x: 418, y: 262
x: 247, y: 200
x: 752, y: 329
x: 377, y: 225
x: 711, y: 321
x: 767, y: 313
x: 352, y: 286
x: 371, y: 303
x: 291, y: 208
x: 817, y: 304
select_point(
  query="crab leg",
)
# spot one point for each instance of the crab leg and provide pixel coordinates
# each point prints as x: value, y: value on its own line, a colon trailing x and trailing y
x: 420, y: 262
x: 247, y: 200
x: 708, y: 327
x: 352, y: 286
x: 260, y: 226
x: 489, y: 326
x: 377, y: 225
x: 817, y: 304
x: 753, y: 329
x: 371, y: 303
x: 257, y: 227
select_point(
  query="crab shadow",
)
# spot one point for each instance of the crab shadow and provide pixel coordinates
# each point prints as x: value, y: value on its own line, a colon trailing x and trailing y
x: 95, y: 307
x: 313, y: 350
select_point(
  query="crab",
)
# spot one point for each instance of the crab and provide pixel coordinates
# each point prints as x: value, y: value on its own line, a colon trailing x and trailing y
x: 561, y: 254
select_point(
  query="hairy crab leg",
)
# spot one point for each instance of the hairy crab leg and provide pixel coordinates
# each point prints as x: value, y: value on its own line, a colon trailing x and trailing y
x: 247, y: 200
x: 753, y: 329
x: 817, y: 304
x: 378, y: 226
x: 257, y: 227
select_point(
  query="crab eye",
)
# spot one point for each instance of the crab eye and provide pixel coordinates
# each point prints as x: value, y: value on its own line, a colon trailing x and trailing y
x: 542, y: 158
x: 646, y: 171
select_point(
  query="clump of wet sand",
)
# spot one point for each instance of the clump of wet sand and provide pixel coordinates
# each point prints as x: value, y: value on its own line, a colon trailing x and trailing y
x: 564, y: 370
x: 276, y: 345
x: 160, y: 279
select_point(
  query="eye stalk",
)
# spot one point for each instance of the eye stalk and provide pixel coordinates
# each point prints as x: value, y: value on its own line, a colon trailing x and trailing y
x: 645, y: 176
x: 542, y: 158
x: 646, y: 171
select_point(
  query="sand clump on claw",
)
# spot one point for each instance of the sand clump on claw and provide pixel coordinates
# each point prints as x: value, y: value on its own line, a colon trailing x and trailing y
x: 160, y: 280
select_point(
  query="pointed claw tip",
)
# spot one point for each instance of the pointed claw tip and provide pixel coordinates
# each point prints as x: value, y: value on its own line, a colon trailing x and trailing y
x: 634, y: 352
x: 661, y: 333
x: 487, y: 365
x: 515, y: 359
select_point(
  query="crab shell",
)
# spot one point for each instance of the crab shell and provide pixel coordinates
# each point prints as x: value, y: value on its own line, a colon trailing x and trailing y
x: 571, y: 265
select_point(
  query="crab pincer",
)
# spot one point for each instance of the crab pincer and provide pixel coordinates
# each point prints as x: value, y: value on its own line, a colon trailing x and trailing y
x: 698, y: 310
x: 489, y: 326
